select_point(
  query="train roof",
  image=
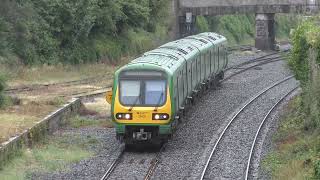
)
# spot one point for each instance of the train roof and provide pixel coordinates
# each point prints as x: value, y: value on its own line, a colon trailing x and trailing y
x: 170, y: 56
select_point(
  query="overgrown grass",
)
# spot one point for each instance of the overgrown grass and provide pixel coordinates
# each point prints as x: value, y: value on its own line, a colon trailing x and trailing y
x: 80, y: 122
x: 22, y: 75
x: 52, y: 155
x: 297, y: 151
x: 2, y: 87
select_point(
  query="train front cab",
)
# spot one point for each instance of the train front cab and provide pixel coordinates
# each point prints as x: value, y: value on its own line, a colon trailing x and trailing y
x: 141, y: 106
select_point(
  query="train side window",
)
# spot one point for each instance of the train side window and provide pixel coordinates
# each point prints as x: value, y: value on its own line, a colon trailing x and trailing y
x: 218, y: 55
x: 208, y: 64
x: 198, y: 69
x: 203, y: 66
x: 180, y: 88
x: 225, y: 56
x: 194, y: 73
x: 177, y: 93
x: 185, y: 81
x: 212, y: 61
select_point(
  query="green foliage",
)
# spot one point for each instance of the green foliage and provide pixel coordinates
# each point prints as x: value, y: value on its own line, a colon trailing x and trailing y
x: 46, y: 31
x: 317, y: 169
x: 297, y: 151
x: 306, y: 41
x: 202, y: 24
x: 304, y: 62
x: 284, y: 24
x: 241, y: 28
x: 2, y: 87
x: 53, y: 154
x: 236, y: 28
x: 298, y: 61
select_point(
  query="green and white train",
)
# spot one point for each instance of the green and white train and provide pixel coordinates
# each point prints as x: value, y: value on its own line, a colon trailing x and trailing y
x: 150, y: 93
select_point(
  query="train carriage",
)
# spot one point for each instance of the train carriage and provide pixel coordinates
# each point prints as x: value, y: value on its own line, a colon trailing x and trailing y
x: 151, y: 93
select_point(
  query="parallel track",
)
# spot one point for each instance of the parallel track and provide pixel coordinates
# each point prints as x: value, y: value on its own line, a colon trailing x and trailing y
x: 260, y: 60
x: 97, y: 78
x: 233, y: 119
x: 259, y: 130
x: 271, y: 60
x: 63, y: 84
x: 155, y: 161
x: 113, y: 165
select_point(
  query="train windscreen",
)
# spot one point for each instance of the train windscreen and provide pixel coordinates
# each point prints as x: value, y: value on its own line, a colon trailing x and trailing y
x: 143, y: 92
x: 137, y: 89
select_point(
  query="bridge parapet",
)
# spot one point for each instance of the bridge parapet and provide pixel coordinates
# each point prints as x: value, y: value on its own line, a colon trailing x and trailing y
x: 222, y: 7
x: 187, y: 10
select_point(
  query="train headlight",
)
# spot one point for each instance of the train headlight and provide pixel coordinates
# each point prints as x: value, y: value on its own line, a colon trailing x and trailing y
x: 160, y: 116
x: 127, y: 116
x: 124, y: 116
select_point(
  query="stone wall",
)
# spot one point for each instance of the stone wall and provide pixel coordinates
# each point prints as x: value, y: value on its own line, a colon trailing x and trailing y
x: 44, y: 127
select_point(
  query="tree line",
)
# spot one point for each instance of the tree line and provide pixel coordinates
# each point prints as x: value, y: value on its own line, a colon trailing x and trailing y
x: 78, y: 31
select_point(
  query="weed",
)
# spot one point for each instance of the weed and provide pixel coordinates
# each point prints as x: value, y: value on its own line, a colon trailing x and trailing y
x: 317, y: 169
x: 53, y: 154
x: 78, y: 122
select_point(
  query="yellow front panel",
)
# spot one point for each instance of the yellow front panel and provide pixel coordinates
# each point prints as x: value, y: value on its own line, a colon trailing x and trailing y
x: 142, y: 115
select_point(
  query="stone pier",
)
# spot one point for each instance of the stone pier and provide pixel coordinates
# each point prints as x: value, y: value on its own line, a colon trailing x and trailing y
x: 265, y: 32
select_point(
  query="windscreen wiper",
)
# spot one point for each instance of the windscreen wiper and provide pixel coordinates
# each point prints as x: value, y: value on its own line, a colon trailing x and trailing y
x: 159, y: 101
x: 135, y: 102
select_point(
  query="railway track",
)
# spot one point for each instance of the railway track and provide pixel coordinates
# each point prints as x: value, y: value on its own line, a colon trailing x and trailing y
x: 153, y: 165
x: 156, y: 158
x: 247, y: 173
x: 240, y: 48
x: 262, y: 60
x: 235, y: 117
x: 91, y: 80
x: 62, y: 84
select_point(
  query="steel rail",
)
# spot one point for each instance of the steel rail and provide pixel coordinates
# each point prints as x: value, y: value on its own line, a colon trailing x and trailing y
x: 275, y: 59
x: 64, y: 84
x: 234, y: 117
x: 261, y: 58
x: 260, y: 127
x: 259, y: 64
x: 155, y: 163
x: 113, y: 165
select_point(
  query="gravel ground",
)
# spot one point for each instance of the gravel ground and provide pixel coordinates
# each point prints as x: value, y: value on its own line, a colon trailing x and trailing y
x: 229, y: 161
x: 240, y: 57
x: 92, y: 168
x: 206, y: 120
x: 133, y: 165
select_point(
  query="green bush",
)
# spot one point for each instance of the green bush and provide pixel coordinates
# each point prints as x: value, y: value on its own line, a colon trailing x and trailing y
x: 2, y: 87
x: 317, y: 169
x: 202, y: 24
x: 83, y: 31
x: 241, y: 28
x: 306, y: 39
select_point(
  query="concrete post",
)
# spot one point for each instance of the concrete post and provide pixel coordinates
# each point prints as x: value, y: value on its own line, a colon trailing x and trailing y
x: 265, y: 32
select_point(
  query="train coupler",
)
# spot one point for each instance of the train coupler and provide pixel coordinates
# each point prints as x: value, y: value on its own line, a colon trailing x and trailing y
x: 142, y: 135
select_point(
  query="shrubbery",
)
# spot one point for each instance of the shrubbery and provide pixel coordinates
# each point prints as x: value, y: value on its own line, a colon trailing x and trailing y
x: 46, y: 31
x: 317, y: 169
x: 241, y: 28
x: 306, y: 43
x: 2, y: 86
x: 305, y: 63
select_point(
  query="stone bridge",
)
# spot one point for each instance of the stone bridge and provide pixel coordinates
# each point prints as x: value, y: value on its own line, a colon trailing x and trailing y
x: 185, y: 12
